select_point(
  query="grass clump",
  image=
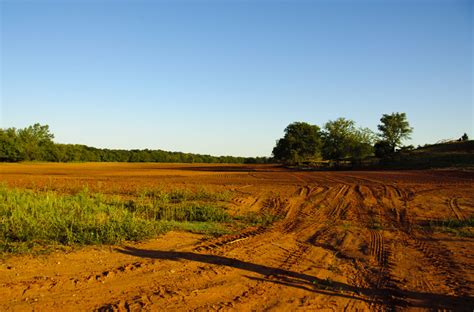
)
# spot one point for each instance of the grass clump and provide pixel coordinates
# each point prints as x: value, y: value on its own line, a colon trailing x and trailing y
x: 182, y: 211
x: 83, y: 218
x: 257, y: 219
x: 462, y: 228
x: 38, y: 220
x: 29, y: 218
x: 455, y: 223
x: 375, y: 224
x: 183, y: 195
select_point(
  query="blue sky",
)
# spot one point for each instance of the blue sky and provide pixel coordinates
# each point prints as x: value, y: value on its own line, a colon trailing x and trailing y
x: 226, y: 77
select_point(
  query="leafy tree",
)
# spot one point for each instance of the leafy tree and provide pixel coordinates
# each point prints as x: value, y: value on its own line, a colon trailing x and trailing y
x: 301, y: 142
x: 464, y: 137
x: 10, y: 147
x: 338, y: 138
x: 362, y: 143
x: 394, y: 129
x: 256, y: 160
x: 35, y: 140
x: 342, y: 140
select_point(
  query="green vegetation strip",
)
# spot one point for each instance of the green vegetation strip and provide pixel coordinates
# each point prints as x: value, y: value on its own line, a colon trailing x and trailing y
x: 30, y: 219
x: 462, y: 228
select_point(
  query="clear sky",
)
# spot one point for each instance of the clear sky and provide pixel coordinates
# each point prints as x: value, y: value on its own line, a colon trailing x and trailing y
x: 226, y: 77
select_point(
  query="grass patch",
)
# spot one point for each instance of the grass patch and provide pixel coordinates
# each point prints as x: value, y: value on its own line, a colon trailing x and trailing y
x: 257, y: 219
x: 462, y: 228
x: 34, y: 221
x: 454, y: 223
x: 206, y: 228
x: 31, y: 219
x: 326, y: 284
x: 183, y: 195
x: 375, y: 224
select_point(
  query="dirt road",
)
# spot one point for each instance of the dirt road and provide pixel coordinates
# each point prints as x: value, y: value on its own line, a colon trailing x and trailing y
x: 344, y: 241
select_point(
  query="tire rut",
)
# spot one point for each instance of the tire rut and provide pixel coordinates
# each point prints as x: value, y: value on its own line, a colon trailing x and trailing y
x: 291, y: 259
x: 444, y: 267
x: 454, y: 206
x: 385, y: 281
x: 230, y: 240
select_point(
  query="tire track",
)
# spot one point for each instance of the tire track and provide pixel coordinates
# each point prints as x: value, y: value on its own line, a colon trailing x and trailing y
x: 440, y: 259
x: 307, y: 214
x: 260, y: 287
x: 376, y: 247
x: 294, y: 256
x: 230, y: 240
x: 385, y: 281
x: 304, y: 191
x: 85, y: 280
x: 340, y: 205
x: 273, y: 205
x: 290, y: 258
x: 454, y: 206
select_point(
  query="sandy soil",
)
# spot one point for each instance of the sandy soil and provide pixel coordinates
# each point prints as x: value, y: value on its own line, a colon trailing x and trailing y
x: 350, y: 241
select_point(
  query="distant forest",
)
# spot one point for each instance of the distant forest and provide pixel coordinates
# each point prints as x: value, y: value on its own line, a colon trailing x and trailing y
x: 35, y: 143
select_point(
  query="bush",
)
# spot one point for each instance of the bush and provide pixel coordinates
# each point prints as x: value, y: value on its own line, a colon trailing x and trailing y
x: 383, y: 149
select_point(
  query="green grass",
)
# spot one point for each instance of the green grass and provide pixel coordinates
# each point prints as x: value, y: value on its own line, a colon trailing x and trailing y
x: 326, y: 284
x: 462, y: 228
x: 181, y: 195
x: 455, y: 223
x: 455, y: 154
x: 375, y: 223
x: 29, y: 219
x: 40, y: 220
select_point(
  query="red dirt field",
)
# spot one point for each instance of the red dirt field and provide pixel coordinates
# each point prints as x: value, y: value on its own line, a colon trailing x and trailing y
x: 345, y: 241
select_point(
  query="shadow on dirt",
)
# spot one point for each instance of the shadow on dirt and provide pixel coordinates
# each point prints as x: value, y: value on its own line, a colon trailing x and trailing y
x: 391, y: 297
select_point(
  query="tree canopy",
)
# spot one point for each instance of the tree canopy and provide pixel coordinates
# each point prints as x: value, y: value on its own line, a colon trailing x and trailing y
x: 36, y: 143
x: 362, y: 143
x: 394, y: 129
x: 341, y: 139
x: 301, y: 142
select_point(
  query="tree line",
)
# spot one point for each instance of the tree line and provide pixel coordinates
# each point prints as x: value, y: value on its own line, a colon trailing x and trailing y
x: 340, y: 139
x: 35, y: 143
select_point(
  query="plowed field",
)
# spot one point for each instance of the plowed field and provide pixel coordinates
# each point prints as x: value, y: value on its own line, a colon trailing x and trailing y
x: 355, y: 240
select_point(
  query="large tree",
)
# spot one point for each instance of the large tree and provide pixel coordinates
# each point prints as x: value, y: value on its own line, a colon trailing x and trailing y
x: 394, y: 128
x: 36, y: 141
x: 301, y: 142
x: 343, y: 140
x: 362, y: 144
x: 10, y: 147
x: 337, y: 138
